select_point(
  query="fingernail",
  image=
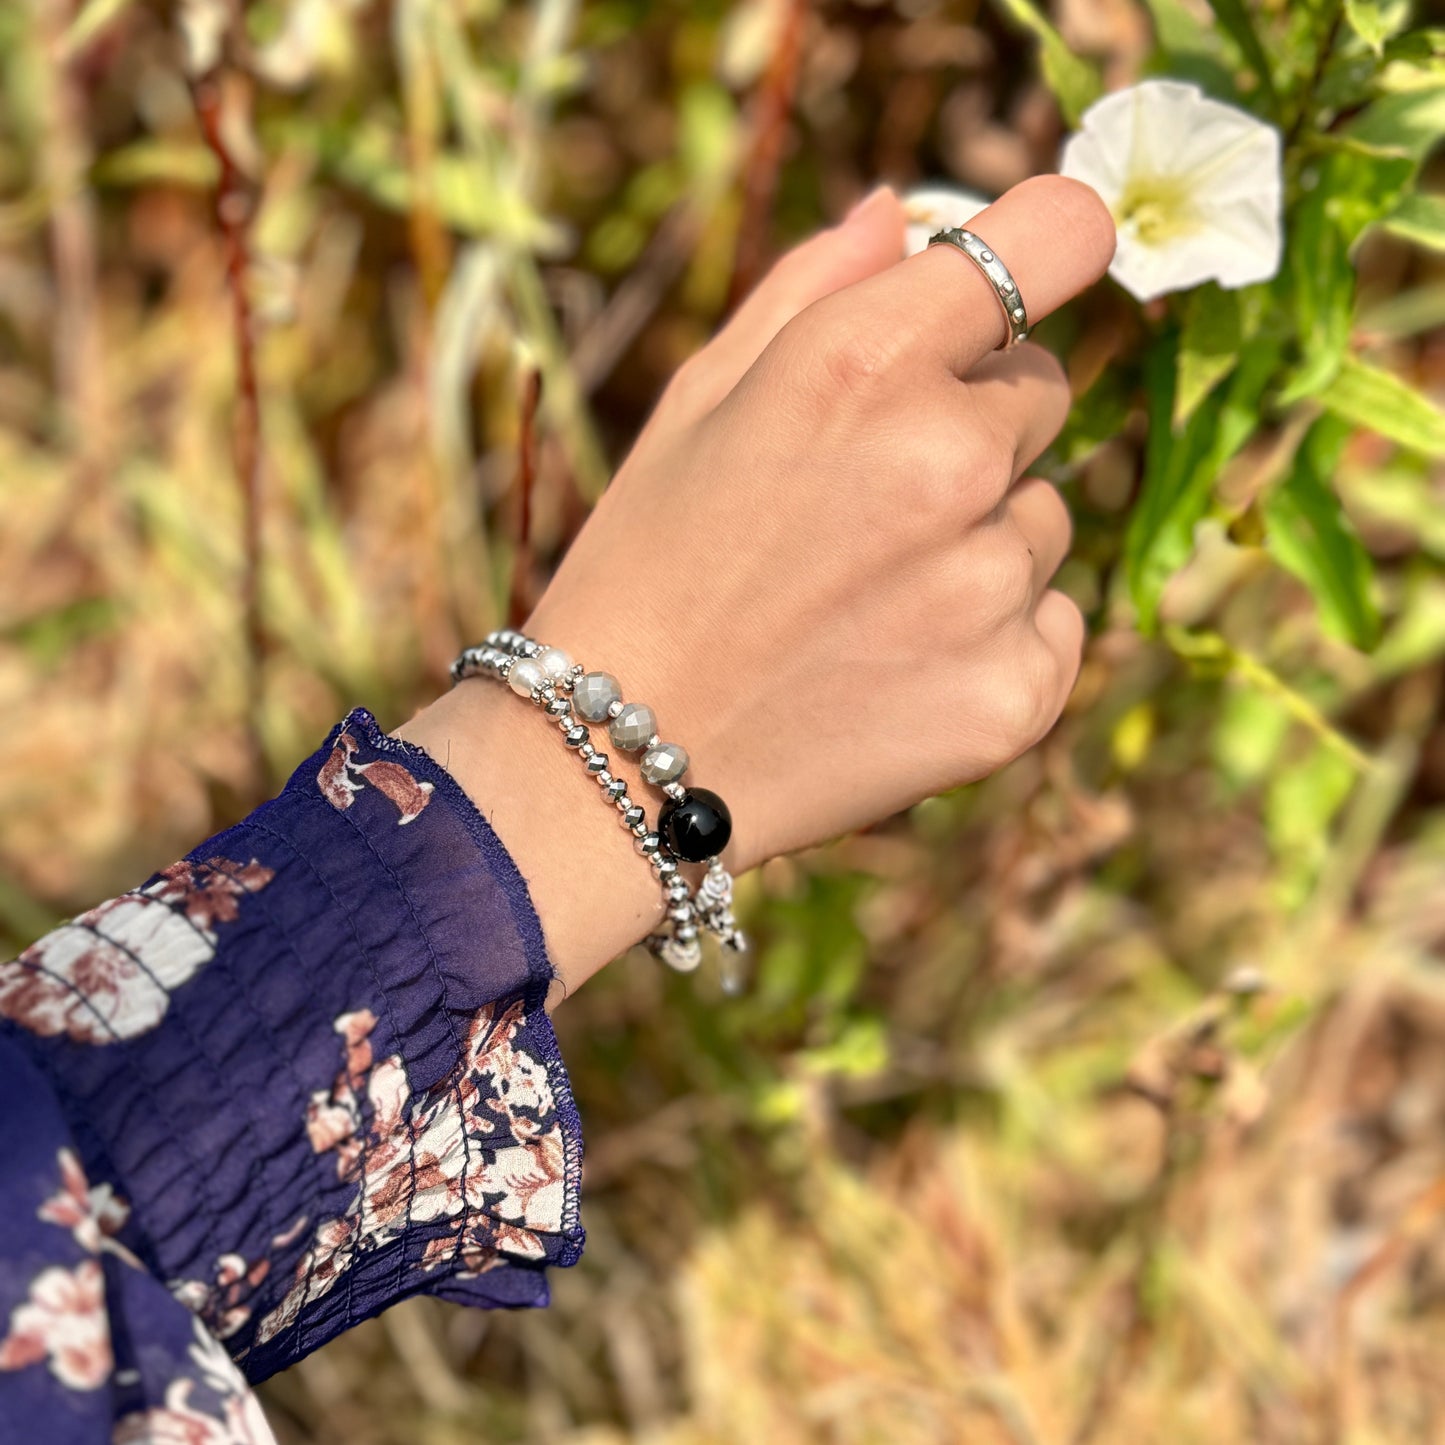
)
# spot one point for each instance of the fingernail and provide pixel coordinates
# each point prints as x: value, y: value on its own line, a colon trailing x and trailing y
x: 865, y: 203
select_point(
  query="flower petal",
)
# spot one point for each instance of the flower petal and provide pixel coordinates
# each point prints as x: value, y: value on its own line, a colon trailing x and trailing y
x: 936, y: 208
x: 1209, y: 172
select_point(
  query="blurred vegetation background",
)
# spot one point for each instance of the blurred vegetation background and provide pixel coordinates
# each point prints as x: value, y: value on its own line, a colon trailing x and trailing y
x: 1103, y: 1101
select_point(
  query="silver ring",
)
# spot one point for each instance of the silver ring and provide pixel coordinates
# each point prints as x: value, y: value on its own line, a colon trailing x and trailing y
x: 997, y: 275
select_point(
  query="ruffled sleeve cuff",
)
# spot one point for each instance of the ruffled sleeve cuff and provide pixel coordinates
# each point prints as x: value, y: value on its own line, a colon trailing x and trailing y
x: 313, y: 1059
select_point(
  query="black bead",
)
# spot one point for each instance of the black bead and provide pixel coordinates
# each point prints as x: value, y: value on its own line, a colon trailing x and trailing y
x: 696, y: 826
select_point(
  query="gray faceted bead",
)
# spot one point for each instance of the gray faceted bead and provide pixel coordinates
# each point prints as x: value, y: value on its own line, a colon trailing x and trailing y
x: 594, y: 693
x: 633, y: 728
x: 664, y: 764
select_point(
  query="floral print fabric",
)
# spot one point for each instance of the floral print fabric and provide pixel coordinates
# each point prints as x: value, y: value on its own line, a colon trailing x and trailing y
x: 292, y: 1079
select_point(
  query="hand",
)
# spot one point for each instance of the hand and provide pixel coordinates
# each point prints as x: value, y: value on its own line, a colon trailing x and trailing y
x: 819, y: 564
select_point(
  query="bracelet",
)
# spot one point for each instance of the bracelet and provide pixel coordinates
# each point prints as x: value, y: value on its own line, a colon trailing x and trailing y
x: 694, y: 824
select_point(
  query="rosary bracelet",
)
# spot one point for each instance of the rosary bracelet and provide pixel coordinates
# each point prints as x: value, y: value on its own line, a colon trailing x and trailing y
x: 694, y: 825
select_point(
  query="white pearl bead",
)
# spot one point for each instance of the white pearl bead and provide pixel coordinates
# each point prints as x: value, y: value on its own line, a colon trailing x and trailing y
x: 555, y: 663
x: 525, y: 675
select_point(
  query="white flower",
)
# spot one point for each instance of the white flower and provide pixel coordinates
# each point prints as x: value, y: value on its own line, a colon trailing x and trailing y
x: 934, y: 209
x: 1194, y: 186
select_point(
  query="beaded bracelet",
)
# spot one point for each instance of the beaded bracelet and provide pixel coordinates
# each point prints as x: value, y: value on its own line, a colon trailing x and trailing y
x: 694, y: 825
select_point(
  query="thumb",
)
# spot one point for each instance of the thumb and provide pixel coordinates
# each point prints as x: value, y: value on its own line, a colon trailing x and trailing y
x: 869, y: 240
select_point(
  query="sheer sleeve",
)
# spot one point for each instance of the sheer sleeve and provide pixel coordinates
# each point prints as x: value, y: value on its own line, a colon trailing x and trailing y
x: 297, y: 1076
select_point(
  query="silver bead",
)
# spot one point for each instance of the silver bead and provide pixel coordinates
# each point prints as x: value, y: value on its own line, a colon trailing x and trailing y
x: 676, y: 791
x: 632, y: 727
x: 662, y: 764
x: 634, y: 818
x: 597, y: 763
x: 527, y: 648
x: 677, y: 890
x: 586, y: 751
x: 524, y: 677
x: 648, y: 844
x: 614, y: 708
x: 640, y: 830
x: 575, y: 736
x: 685, y: 932
x: 616, y: 789
x: 593, y: 694
x: 680, y: 912
x: 558, y: 707
x: 604, y: 779
x: 666, y: 868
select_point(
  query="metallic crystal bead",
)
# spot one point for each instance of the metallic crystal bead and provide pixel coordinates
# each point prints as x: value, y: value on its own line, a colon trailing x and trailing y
x: 680, y: 912
x: 677, y: 890
x: 558, y: 707
x: 634, y: 818
x: 593, y: 694
x: 597, y: 763
x: 632, y: 728
x: 524, y: 677
x: 685, y: 932
x: 648, y: 844
x: 575, y: 736
x: 666, y: 867
x: 616, y: 789
x: 527, y: 648
x: 663, y: 764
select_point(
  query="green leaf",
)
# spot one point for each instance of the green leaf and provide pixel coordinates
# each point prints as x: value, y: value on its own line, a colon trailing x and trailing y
x: 1216, y: 324
x: 1375, y: 21
x: 1307, y: 531
x: 1191, y: 48
x: 1341, y: 195
x: 1380, y: 402
x: 1249, y: 729
x: 1407, y: 124
x: 1235, y: 21
x: 1301, y: 803
x: 1421, y: 219
x: 1074, y: 82
x: 1181, y: 465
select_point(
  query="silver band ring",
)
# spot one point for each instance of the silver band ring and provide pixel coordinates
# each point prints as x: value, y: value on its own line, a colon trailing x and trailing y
x: 997, y: 275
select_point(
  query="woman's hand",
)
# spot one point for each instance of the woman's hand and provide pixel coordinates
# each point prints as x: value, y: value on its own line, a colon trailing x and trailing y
x: 820, y: 565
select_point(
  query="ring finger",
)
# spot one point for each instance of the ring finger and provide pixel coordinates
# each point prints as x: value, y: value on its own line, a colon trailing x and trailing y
x: 1039, y: 513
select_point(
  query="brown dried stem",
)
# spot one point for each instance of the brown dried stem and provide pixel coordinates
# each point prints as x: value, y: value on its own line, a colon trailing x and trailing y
x: 771, y: 108
x: 234, y: 208
x: 519, y: 602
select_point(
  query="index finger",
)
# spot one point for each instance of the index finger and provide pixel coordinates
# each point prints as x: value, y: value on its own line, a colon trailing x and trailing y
x: 1055, y: 236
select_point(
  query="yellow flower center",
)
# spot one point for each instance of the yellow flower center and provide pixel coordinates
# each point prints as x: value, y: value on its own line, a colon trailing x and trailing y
x: 1158, y: 209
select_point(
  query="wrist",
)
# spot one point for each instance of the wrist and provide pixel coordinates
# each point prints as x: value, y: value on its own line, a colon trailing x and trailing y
x: 593, y: 895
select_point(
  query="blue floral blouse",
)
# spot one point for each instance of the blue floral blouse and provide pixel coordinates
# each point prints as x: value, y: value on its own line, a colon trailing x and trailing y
x: 297, y: 1076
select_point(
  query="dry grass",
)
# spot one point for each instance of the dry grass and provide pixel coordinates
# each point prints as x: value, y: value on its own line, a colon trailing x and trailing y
x: 1105, y: 1102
